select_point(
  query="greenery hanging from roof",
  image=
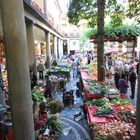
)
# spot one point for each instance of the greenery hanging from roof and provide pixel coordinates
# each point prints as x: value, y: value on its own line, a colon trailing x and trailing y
x: 125, y: 30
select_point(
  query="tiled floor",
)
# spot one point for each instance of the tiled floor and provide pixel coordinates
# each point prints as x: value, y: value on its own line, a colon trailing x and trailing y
x: 73, y: 129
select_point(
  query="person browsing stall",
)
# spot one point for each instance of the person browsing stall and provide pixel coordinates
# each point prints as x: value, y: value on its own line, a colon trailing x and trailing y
x: 132, y: 78
x: 123, y: 84
x: 48, y: 87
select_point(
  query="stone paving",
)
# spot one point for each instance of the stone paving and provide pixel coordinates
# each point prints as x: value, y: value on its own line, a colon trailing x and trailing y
x: 73, y: 129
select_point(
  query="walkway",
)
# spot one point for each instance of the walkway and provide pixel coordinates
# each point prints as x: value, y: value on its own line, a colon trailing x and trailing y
x: 73, y: 130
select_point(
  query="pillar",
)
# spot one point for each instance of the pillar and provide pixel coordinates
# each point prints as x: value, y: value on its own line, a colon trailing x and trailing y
x: 55, y: 47
x: 68, y: 46
x: 18, y: 69
x: 59, y: 48
x: 48, y: 50
x: 45, y: 7
x: 120, y: 50
x: 138, y: 47
x: 129, y: 51
x: 31, y: 46
x: 134, y: 54
x: 95, y: 52
x: 138, y: 107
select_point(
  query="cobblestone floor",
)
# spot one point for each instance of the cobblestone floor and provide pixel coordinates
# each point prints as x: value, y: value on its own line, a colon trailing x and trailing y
x: 73, y: 130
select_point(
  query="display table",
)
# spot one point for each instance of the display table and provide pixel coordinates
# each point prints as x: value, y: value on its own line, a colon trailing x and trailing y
x: 59, y: 72
x: 96, y: 119
x: 84, y: 76
x: 123, y: 113
x: 109, y: 113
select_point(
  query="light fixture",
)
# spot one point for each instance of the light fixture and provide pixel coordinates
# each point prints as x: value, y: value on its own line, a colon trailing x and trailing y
x: 35, y: 41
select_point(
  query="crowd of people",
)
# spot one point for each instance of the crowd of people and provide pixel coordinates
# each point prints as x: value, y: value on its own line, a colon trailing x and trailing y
x: 74, y: 60
x: 125, y: 75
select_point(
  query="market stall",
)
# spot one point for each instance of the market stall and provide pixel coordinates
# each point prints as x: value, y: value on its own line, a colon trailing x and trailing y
x: 59, y: 71
x: 46, y: 118
x: 110, y: 115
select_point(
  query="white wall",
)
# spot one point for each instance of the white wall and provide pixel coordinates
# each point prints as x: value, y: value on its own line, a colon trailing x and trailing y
x: 74, y: 44
x: 54, y: 11
x: 40, y: 3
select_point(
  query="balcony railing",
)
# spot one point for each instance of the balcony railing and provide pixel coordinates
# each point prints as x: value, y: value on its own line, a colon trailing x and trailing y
x: 50, y: 20
x: 40, y: 10
x: 67, y: 34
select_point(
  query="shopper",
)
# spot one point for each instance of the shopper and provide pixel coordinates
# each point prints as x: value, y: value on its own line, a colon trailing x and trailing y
x: 137, y: 68
x: 74, y: 68
x: 126, y: 68
x: 116, y: 78
x: 40, y: 69
x: 54, y: 63
x: 109, y: 63
x: 123, y: 84
x: 48, y: 87
x: 88, y: 58
x: 33, y: 79
x: 2, y: 94
x: 132, y: 79
x: 43, y: 111
x: 1, y: 81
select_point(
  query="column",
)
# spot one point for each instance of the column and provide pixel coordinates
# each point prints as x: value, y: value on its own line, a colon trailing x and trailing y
x: 68, y: 46
x: 18, y: 69
x: 59, y: 48
x: 120, y: 50
x: 31, y: 46
x: 62, y: 48
x: 55, y: 47
x: 137, y: 48
x: 48, y: 50
x: 95, y: 52
x: 45, y: 6
x: 129, y: 51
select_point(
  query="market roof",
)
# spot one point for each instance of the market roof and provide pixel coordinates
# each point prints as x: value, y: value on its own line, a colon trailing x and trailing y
x: 122, y: 33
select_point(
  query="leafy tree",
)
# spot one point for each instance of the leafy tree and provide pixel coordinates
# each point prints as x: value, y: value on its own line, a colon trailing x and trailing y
x: 81, y: 9
x: 134, y: 10
x: 87, y: 9
x: 117, y: 16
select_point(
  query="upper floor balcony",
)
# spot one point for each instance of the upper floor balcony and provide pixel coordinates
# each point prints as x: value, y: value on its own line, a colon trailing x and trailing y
x: 50, y: 19
x: 46, y: 15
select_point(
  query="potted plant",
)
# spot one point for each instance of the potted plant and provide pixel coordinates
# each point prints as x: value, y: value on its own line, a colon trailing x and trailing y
x: 55, y: 106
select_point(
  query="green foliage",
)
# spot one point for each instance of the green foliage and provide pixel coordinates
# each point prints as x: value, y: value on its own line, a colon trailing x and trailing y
x: 125, y: 30
x: 79, y: 9
x: 117, y: 16
x: 134, y: 10
x: 85, y: 36
x: 54, y: 124
x: 87, y: 9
